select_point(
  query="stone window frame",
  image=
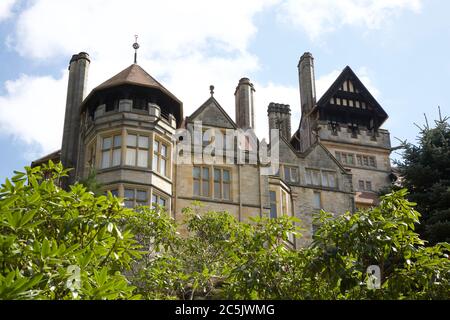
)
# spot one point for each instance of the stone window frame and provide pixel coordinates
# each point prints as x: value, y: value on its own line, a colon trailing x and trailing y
x: 202, y: 181
x: 137, y: 148
x: 157, y: 157
x: 320, y: 202
x: 91, y: 155
x: 273, y: 213
x: 291, y: 168
x: 323, y: 173
x: 135, y: 199
x: 221, y: 183
x: 113, y: 147
x: 159, y: 196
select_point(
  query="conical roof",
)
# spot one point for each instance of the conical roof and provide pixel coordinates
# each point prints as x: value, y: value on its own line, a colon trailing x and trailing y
x: 134, y: 75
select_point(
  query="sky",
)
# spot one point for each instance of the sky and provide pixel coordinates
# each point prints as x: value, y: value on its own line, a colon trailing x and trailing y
x: 400, y: 49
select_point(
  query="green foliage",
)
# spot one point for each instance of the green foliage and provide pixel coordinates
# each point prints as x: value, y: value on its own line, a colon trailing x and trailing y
x: 91, y: 183
x: 384, y: 236
x: 218, y: 257
x: 425, y: 172
x: 48, y: 234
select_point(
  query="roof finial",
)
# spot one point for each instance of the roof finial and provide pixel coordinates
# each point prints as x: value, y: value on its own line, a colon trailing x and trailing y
x: 211, y: 90
x: 136, y: 47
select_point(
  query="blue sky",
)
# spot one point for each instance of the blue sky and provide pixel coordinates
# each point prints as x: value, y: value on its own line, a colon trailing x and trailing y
x: 400, y: 49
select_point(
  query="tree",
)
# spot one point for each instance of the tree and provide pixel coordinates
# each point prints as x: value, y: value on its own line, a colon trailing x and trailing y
x: 425, y: 172
x: 57, y: 244
x: 345, y: 246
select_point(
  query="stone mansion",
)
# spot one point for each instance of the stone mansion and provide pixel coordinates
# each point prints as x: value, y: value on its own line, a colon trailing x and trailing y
x: 337, y: 158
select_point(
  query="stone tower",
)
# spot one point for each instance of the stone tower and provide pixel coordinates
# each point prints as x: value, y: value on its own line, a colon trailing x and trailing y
x: 76, y: 92
x: 280, y: 118
x: 308, y: 100
x: 245, y: 118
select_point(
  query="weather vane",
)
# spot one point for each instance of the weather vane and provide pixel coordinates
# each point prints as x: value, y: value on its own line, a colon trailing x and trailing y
x: 136, y: 47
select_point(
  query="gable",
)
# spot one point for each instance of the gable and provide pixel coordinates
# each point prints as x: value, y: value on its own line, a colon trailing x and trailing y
x: 348, y: 101
x: 212, y: 114
x: 319, y: 157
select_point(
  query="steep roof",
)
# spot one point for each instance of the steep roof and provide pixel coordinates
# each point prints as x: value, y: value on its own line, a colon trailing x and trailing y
x: 361, y: 92
x: 211, y: 113
x: 134, y: 75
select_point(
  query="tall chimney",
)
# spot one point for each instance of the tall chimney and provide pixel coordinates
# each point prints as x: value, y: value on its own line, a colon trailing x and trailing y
x: 245, y: 117
x: 280, y: 118
x: 76, y: 92
x: 307, y: 82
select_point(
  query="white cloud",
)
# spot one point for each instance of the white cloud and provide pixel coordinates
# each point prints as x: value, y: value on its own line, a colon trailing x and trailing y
x: 322, y: 16
x: 5, y: 8
x: 30, y: 112
x: 187, y: 45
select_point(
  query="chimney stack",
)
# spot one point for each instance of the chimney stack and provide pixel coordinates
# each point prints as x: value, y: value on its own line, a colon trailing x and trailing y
x: 76, y: 92
x: 307, y: 82
x: 280, y: 118
x: 245, y: 118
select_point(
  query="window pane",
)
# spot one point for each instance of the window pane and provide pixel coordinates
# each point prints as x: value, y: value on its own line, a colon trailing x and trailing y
x: 273, y: 211
x: 359, y: 159
x: 140, y: 203
x: 368, y: 186
x: 294, y: 175
x: 226, y: 175
x: 226, y: 191
x: 196, y: 172
x: 205, y: 174
x: 350, y: 159
x: 143, y: 142
x: 287, y: 174
x: 163, y: 150
x: 372, y: 162
x: 308, y: 177
x: 129, y: 204
x: 163, y: 167
x: 205, y: 188
x: 317, y: 203
x: 129, y: 193
x: 155, y: 162
x: 273, y: 196
x: 361, y: 185
x: 217, y: 190
x: 324, y: 179
x: 115, y: 192
x: 154, y: 199
x: 316, y: 178
x: 155, y: 146
x: 141, y: 195
x: 366, y: 161
x: 338, y: 156
x: 116, y: 157
x: 131, y: 140
x: 117, y: 141
x: 142, y: 158
x: 106, y: 143
x: 216, y: 175
x: 331, y: 180
x: 196, y: 187
x: 105, y: 159
x: 131, y: 157
x: 162, y: 202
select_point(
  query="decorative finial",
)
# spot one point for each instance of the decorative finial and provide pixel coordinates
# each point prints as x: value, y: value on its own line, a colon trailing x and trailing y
x: 211, y: 90
x: 135, y: 47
